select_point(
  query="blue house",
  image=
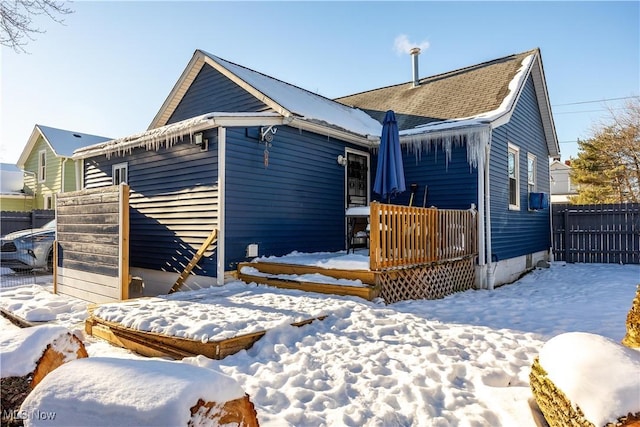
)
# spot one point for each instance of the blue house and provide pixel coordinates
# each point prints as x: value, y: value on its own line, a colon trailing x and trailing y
x: 480, y: 135
x: 273, y: 166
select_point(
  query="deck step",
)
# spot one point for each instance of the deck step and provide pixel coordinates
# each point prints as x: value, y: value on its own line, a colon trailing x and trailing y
x: 269, y: 273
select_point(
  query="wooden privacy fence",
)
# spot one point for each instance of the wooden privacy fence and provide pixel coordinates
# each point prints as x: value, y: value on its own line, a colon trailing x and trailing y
x: 92, y: 259
x: 597, y: 233
x: 404, y: 236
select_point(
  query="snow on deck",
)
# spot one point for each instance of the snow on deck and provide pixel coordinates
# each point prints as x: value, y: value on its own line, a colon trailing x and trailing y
x: 216, y: 314
x: 338, y: 260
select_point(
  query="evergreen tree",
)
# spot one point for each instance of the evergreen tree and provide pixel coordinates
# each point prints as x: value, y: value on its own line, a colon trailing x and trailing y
x: 607, y: 169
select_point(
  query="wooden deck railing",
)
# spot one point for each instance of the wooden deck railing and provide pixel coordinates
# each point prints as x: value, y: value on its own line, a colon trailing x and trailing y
x: 403, y: 236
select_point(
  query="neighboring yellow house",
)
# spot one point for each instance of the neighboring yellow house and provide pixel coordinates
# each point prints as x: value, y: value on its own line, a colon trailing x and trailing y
x: 12, y: 195
x: 48, y: 166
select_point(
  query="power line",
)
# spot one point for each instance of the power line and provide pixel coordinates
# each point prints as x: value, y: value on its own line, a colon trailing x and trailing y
x: 589, y: 111
x: 598, y: 100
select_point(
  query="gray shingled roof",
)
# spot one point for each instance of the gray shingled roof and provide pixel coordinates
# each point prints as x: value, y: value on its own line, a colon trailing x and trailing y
x: 462, y: 93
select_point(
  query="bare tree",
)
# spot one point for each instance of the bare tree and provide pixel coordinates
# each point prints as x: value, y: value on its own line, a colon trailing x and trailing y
x: 16, y: 20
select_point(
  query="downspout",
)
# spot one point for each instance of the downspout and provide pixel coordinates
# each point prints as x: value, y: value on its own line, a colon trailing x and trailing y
x: 62, y: 174
x: 79, y: 172
x: 482, y: 261
x: 490, y: 268
x: 222, y: 142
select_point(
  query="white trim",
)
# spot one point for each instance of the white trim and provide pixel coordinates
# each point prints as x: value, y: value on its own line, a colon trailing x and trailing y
x: 333, y: 132
x: 533, y: 157
x: 48, y: 197
x: 513, y: 148
x: 368, y: 156
x: 509, y: 270
x: 79, y: 166
x: 179, y: 89
x: 62, y: 173
x: 222, y: 205
x: 42, y: 165
x: 120, y: 166
x: 482, y: 224
x: 175, y: 132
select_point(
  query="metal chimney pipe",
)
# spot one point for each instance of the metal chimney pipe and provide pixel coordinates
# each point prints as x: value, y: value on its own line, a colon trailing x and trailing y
x: 414, y: 58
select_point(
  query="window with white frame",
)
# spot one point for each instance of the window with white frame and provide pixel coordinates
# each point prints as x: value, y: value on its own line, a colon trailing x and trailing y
x: 531, y: 172
x: 42, y: 165
x: 514, y: 181
x: 119, y: 173
x: 48, y: 201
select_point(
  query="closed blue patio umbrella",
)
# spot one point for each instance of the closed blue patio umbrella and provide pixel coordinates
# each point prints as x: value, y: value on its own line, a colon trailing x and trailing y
x: 390, y: 173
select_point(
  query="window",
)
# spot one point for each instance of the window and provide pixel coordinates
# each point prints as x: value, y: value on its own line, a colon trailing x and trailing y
x: 531, y: 173
x: 48, y: 201
x: 42, y: 165
x: 514, y: 182
x: 119, y: 173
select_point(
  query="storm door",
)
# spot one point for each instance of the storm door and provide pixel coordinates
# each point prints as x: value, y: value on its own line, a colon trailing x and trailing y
x: 357, y: 179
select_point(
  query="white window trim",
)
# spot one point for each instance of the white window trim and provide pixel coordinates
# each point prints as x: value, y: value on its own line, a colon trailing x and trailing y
x: 533, y: 183
x: 42, y: 166
x: 516, y: 150
x: 120, y: 166
x: 47, y: 199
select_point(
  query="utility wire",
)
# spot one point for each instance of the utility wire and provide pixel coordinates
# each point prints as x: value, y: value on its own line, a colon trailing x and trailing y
x: 598, y: 100
x: 588, y: 111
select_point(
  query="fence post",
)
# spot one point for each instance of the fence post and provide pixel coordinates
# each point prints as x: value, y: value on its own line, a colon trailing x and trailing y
x: 566, y: 235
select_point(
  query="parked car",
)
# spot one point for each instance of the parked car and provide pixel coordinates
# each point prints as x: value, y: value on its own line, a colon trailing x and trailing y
x: 26, y: 250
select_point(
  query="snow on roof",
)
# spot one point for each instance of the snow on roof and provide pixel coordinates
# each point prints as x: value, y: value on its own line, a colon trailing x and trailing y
x: 64, y: 142
x: 308, y: 105
x: 483, y: 118
x: 8, y: 167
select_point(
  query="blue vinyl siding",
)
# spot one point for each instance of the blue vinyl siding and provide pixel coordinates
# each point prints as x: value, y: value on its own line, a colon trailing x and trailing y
x: 294, y: 204
x: 449, y: 187
x: 173, y: 203
x: 516, y: 233
x: 211, y: 91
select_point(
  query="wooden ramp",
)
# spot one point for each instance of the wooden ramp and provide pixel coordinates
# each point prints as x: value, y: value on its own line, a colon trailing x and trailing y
x: 152, y: 344
x: 269, y: 273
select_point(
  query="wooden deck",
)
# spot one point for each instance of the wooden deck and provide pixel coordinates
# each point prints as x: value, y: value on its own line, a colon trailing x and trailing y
x: 271, y: 270
x: 152, y: 344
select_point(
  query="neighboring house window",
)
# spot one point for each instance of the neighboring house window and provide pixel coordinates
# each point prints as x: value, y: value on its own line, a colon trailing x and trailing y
x: 48, y: 201
x: 531, y: 172
x: 42, y: 165
x: 514, y: 182
x: 120, y: 173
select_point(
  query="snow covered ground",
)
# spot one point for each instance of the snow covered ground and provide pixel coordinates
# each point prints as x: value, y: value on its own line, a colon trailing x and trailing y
x: 463, y: 360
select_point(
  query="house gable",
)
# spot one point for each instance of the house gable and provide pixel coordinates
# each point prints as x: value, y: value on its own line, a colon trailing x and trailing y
x: 299, y: 107
x: 210, y: 91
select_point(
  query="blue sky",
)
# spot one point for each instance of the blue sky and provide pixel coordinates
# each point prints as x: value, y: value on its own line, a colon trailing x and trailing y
x: 108, y: 70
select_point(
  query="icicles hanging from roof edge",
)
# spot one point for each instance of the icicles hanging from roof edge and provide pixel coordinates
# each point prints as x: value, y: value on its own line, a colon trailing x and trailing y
x: 474, y: 138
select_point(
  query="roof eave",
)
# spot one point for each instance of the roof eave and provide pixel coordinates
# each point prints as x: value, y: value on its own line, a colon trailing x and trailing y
x: 179, y: 89
x: 343, y: 135
x: 537, y: 73
x: 232, y: 120
x: 26, y: 151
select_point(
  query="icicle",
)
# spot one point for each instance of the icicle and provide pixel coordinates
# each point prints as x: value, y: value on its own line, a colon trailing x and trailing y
x: 475, y: 138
